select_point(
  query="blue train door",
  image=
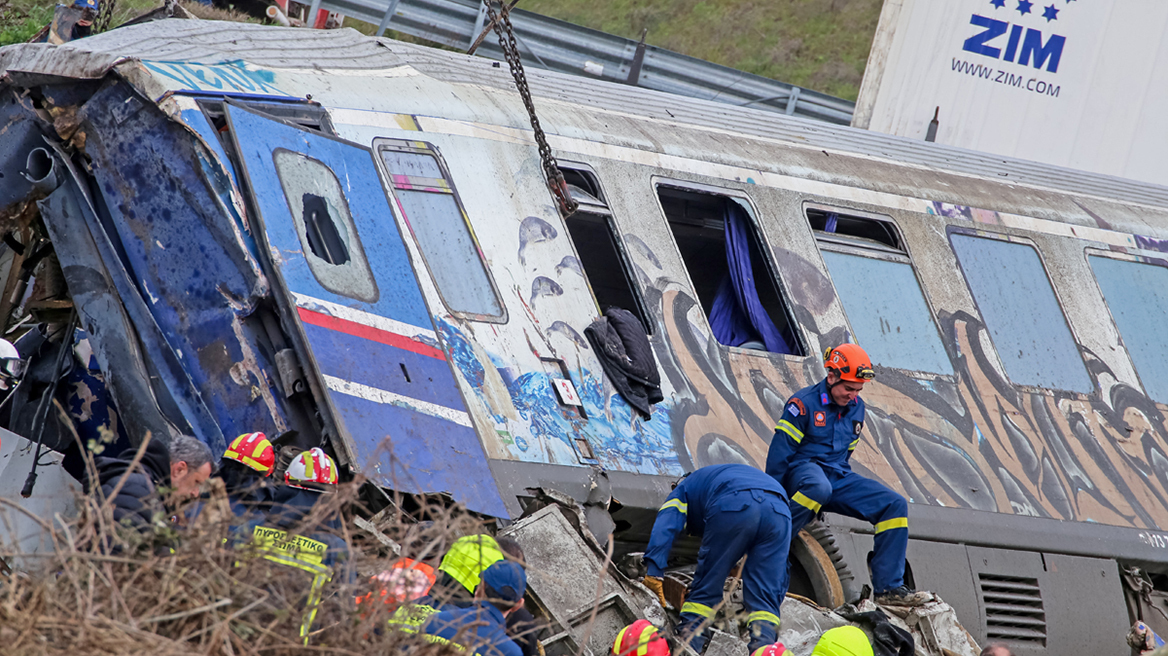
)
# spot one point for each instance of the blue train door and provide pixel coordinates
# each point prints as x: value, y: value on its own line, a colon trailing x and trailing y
x: 341, y: 270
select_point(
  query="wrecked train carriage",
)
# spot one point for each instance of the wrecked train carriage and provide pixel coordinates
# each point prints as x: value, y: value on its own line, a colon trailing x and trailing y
x: 370, y: 257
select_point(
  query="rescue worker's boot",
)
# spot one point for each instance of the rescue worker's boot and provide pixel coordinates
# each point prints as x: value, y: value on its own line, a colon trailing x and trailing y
x: 687, y: 630
x: 762, y: 634
x: 903, y: 596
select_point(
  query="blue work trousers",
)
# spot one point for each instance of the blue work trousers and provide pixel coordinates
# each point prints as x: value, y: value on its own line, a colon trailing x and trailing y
x: 754, y: 523
x: 813, y: 488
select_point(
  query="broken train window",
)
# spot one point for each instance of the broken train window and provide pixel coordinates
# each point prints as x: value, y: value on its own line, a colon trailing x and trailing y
x: 731, y: 271
x: 325, y: 227
x: 593, y: 233
x: 434, y: 214
x: 891, y: 318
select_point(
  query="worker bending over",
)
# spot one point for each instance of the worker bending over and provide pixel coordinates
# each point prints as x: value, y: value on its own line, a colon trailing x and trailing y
x: 481, y: 628
x: 737, y: 510
x: 809, y: 455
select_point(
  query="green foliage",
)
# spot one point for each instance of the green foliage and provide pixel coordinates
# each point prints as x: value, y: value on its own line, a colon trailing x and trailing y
x: 19, y: 24
x: 818, y: 44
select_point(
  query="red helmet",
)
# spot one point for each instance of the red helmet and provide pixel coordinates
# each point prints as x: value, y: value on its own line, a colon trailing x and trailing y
x: 777, y: 649
x: 253, y: 450
x: 311, y: 466
x: 640, y: 639
x: 849, y: 362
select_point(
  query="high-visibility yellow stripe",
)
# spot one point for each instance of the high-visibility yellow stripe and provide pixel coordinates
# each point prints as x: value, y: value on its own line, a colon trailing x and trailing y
x: 616, y: 644
x: 853, y: 445
x: 789, y: 428
x: 647, y: 634
x: 889, y: 524
x: 763, y: 616
x: 807, y: 502
x: 676, y: 503
x: 697, y: 609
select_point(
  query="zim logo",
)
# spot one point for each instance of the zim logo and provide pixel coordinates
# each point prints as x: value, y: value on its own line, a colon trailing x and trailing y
x: 1032, y: 47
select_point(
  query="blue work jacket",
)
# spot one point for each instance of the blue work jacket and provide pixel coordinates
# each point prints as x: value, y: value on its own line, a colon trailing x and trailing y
x: 480, y: 628
x: 814, y: 429
x: 703, y: 492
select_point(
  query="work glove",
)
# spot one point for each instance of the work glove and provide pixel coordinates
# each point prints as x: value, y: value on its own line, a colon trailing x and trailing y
x: 658, y: 587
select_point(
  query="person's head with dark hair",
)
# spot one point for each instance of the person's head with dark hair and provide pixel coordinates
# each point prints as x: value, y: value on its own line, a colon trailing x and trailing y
x: 503, y: 585
x: 996, y: 649
x: 510, y: 547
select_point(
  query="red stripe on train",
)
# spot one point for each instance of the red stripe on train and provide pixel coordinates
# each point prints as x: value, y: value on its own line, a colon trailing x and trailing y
x: 369, y: 332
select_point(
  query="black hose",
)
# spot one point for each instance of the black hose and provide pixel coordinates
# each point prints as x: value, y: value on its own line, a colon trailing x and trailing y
x: 42, y: 411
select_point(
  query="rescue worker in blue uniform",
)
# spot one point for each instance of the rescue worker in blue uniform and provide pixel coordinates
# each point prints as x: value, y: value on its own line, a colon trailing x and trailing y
x: 809, y: 455
x: 481, y: 628
x: 737, y: 510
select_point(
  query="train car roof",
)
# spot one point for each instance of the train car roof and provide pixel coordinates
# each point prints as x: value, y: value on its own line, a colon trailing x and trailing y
x: 348, y: 52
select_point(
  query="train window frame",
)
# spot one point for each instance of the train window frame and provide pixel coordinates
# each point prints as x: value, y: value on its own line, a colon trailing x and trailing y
x: 801, y: 344
x: 351, y: 278
x: 594, y: 202
x: 444, y: 185
x: 950, y: 231
x: 874, y: 250
x: 1090, y: 252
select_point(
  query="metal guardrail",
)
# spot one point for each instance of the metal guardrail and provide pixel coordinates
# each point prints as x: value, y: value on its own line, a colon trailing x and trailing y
x: 560, y: 46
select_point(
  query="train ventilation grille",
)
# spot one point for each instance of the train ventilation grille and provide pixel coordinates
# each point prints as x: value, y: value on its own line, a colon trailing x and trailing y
x: 1013, y: 608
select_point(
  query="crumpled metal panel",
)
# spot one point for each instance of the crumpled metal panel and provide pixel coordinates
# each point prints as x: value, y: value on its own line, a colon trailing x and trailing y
x: 19, y: 134
x: 567, y: 577
x: 184, y: 254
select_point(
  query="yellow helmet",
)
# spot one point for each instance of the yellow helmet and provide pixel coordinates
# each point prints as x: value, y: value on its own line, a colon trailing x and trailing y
x: 843, y: 641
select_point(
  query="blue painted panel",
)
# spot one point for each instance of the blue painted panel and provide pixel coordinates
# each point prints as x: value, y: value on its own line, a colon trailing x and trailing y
x: 410, y: 464
x: 1137, y: 295
x: 348, y: 357
x: 436, y: 455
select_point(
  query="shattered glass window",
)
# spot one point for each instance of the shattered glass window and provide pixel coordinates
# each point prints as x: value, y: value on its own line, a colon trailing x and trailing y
x: 1137, y: 295
x: 437, y: 220
x: 325, y: 227
x: 1022, y: 313
x: 891, y: 319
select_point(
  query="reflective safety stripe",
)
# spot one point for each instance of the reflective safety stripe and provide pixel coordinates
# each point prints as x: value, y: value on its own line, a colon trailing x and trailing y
x: 617, y: 643
x: 807, y: 502
x: 853, y: 445
x: 443, y: 641
x: 254, y: 464
x: 647, y: 634
x: 789, y: 428
x: 763, y: 616
x: 697, y: 609
x: 889, y: 524
x: 676, y: 503
x: 292, y: 550
x: 410, y: 617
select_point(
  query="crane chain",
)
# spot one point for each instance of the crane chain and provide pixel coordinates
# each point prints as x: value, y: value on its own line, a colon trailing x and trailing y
x: 501, y: 19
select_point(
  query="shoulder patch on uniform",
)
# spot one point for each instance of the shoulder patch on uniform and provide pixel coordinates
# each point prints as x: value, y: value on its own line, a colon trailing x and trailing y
x: 820, y: 418
x: 857, y: 426
x: 795, y: 407
x: 823, y: 398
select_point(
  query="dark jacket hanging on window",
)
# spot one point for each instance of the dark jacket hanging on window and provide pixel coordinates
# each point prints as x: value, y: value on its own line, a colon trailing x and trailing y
x: 737, y: 315
x: 623, y: 349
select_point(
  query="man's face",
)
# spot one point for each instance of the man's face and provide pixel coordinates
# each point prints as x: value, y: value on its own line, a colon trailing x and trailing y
x: 186, y: 481
x: 845, y: 392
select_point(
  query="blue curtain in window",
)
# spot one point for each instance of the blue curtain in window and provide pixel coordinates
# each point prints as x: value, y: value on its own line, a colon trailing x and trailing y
x: 737, y: 316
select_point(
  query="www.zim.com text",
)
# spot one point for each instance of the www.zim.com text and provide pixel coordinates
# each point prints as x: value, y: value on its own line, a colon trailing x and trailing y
x: 1007, y: 78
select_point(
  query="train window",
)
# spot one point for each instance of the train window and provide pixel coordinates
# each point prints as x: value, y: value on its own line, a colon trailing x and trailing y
x: 1021, y: 312
x: 435, y: 217
x: 830, y: 226
x: 324, y: 225
x: 1137, y: 295
x: 891, y: 319
x: 731, y: 273
x: 594, y: 235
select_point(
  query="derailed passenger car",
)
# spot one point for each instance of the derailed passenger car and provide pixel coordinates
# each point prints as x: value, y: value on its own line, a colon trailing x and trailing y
x: 349, y: 242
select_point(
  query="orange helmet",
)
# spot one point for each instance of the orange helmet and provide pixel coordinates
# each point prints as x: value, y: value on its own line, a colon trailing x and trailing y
x: 406, y: 580
x: 640, y: 639
x: 253, y: 450
x: 849, y: 362
x: 311, y: 466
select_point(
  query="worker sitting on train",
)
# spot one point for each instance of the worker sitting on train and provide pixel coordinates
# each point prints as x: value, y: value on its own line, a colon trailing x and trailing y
x: 809, y: 455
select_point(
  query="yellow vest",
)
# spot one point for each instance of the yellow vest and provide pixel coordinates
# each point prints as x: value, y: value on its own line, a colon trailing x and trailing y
x: 468, y: 557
